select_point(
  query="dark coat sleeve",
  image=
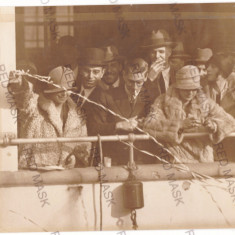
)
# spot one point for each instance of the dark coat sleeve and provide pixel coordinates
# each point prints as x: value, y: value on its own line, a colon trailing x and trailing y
x: 99, y: 123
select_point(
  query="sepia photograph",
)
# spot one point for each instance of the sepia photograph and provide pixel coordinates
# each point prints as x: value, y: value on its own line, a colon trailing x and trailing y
x: 117, y: 117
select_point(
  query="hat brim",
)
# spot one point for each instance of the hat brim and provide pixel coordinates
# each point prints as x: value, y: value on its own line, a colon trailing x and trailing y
x: 181, y: 56
x: 186, y: 87
x: 56, y: 90
x: 118, y: 58
x: 201, y: 61
x: 92, y: 63
x: 156, y: 45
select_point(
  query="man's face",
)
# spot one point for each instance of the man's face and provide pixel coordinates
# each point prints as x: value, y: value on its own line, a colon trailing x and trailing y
x: 227, y: 64
x: 212, y: 72
x: 187, y: 95
x: 202, y: 70
x: 160, y: 54
x: 177, y: 63
x: 112, y: 71
x: 134, y: 82
x: 58, y: 97
x: 91, y: 75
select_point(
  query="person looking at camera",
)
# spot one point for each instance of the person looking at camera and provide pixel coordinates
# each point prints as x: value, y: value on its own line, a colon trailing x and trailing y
x: 91, y: 71
x: 113, y: 69
x: 50, y: 114
x: 158, y: 49
x: 131, y: 101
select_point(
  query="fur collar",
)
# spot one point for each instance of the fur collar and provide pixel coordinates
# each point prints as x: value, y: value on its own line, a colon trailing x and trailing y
x: 49, y: 107
x: 172, y: 101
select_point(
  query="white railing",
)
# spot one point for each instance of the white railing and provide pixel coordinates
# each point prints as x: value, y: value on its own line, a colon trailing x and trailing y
x: 4, y: 142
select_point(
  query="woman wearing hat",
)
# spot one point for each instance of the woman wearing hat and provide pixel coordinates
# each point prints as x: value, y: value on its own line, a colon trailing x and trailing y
x: 50, y: 114
x: 185, y: 108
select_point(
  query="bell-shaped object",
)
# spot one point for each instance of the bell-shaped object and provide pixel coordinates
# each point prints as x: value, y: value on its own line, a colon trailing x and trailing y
x: 133, y: 196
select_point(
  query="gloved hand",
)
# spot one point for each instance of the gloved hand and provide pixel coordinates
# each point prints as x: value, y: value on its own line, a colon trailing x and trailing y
x: 190, y: 123
x: 211, y: 126
x: 127, y: 125
x: 82, y: 155
x: 18, y: 82
x: 70, y: 162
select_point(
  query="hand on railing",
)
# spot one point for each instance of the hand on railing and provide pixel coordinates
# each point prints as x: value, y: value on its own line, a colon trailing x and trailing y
x: 211, y: 126
x: 127, y: 125
x: 81, y: 156
x: 190, y: 123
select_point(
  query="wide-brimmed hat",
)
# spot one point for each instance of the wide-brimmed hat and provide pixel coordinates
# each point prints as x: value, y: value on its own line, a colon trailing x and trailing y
x: 157, y: 39
x: 178, y: 52
x: 93, y: 56
x: 60, y: 76
x: 111, y: 54
x: 203, y: 55
x: 136, y: 66
x: 188, y: 78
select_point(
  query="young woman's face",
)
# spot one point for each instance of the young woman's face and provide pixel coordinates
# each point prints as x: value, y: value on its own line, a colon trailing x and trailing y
x: 187, y: 95
x: 58, y: 97
x: 212, y: 72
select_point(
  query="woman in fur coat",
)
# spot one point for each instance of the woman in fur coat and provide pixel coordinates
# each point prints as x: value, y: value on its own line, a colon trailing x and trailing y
x: 185, y: 108
x: 50, y: 114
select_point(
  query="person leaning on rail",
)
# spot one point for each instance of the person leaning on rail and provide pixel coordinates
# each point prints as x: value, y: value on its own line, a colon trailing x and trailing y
x: 130, y: 101
x: 91, y: 71
x: 185, y: 108
x: 50, y: 114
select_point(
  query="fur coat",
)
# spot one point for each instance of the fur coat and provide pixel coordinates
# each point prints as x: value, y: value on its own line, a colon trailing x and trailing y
x: 163, y: 122
x: 42, y: 120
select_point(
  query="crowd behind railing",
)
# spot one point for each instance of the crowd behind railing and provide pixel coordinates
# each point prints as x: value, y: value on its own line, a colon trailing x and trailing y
x: 165, y: 93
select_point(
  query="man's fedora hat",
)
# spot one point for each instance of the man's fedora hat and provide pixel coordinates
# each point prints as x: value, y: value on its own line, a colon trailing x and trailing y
x: 178, y: 52
x: 111, y: 54
x: 157, y: 39
x: 62, y: 77
x: 187, y: 78
x: 93, y: 57
x: 203, y: 55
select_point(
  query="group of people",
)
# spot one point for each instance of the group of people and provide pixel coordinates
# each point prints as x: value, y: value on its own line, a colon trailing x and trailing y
x: 165, y: 93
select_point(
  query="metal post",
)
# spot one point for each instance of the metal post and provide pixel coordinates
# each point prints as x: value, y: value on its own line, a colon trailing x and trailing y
x: 131, y: 140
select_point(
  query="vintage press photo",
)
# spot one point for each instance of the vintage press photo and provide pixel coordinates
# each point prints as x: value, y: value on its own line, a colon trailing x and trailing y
x: 117, y: 117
